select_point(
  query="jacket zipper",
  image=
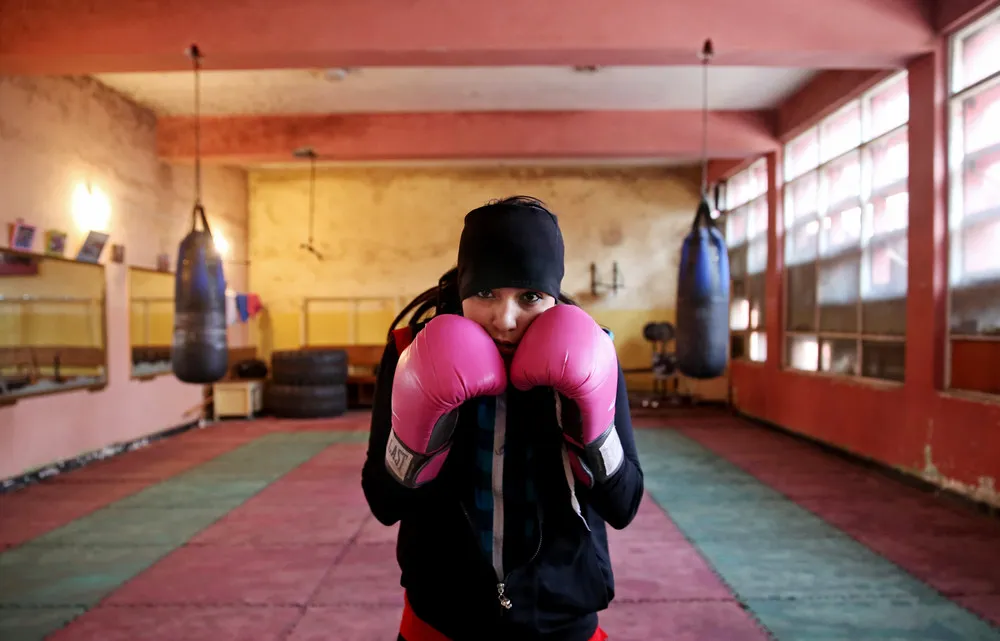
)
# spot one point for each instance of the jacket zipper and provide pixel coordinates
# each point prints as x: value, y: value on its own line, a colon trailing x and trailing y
x: 505, y: 602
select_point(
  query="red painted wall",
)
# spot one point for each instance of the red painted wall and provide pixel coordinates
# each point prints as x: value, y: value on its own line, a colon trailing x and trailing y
x: 914, y: 426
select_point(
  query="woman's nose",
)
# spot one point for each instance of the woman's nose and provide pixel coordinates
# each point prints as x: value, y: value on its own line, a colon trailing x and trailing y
x: 505, y: 316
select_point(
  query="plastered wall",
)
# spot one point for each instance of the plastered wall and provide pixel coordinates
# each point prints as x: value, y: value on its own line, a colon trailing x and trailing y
x: 59, y: 133
x: 391, y: 232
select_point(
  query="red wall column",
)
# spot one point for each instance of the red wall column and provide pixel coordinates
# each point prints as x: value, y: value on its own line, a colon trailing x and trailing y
x: 773, y: 288
x: 927, y: 291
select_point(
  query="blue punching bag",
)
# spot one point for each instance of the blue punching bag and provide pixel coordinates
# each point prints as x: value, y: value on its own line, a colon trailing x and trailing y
x: 200, y: 351
x: 702, y: 332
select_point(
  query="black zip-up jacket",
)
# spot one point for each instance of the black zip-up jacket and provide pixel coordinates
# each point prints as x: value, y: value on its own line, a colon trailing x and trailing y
x: 450, y: 583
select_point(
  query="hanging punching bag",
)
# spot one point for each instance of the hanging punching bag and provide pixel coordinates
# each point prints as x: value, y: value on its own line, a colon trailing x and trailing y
x: 200, y: 353
x: 702, y: 331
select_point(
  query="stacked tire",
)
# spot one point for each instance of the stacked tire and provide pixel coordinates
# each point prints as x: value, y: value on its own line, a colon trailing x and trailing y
x: 307, y: 384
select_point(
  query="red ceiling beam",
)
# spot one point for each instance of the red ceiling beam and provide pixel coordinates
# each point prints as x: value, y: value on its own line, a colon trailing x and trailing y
x: 469, y: 136
x: 951, y: 15
x: 90, y: 36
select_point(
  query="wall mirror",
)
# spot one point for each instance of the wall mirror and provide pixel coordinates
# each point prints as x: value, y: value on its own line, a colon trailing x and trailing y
x: 151, y: 321
x: 53, y: 331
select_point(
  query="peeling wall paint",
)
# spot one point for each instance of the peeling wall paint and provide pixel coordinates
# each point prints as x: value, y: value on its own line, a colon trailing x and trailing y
x: 56, y: 133
x: 391, y: 232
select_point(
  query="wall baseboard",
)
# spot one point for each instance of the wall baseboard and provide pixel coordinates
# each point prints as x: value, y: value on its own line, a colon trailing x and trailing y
x: 957, y: 498
x: 67, y: 465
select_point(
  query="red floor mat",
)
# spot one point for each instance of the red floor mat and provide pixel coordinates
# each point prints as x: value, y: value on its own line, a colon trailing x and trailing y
x: 231, y: 575
x: 199, y: 623
x: 272, y: 523
x: 348, y: 623
x: 366, y: 575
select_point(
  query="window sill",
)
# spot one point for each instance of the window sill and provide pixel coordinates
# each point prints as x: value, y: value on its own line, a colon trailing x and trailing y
x: 12, y: 399
x: 972, y: 396
x: 749, y: 363
x: 850, y: 379
x: 151, y: 371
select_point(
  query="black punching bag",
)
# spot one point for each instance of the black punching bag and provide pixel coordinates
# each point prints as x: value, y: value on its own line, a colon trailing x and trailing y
x: 702, y: 331
x: 200, y: 352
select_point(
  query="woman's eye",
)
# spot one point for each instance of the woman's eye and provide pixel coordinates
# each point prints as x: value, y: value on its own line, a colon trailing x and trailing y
x: 486, y: 293
x: 532, y: 297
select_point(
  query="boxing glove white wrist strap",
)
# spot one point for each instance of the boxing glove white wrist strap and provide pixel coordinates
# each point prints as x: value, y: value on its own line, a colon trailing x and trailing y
x: 403, y: 463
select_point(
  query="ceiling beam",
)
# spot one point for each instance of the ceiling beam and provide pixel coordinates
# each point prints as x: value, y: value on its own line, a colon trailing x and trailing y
x: 92, y: 36
x: 950, y: 15
x: 539, y: 135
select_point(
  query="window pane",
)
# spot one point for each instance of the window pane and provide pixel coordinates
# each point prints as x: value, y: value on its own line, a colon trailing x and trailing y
x: 886, y: 317
x: 757, y: 256
x: 755, y: 295
x: 841, y: 181
x: 758, y: 178
x: 757, y: 215
x: 735, y: 191
x: 838, y: 293
x: 736, y: 227
x: 888, y: 214
x: 737, y: 262
x: 889, y: 160
x: 747, y: 185
x: 737, y: 346
x: 980, y: 54
x: 801, y: 154
x: 839, y: 356
x: 885, y: 275
x: 739, y: 313
x: 981, y: 120
x: 981, y: 184
x: 981, y: 249
x: 883, y: 360
x: 975, y: 310
x: 758, y: 347
x: 801, y: 199
x: 888, y: 107
x: 840, y: 231
x: 840, y: 132
x: 721, y: 201
x: 801, y: 243
x: 801, y: 298
x: 803, y: 353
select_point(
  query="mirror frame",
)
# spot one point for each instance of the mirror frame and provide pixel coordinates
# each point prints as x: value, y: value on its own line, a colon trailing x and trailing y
x: 102, y: 302
x: 133, y: 348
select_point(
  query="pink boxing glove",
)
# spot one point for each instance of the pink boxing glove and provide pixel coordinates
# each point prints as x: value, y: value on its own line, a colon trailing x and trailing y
x: 565, y: 349
x: 451, y: 360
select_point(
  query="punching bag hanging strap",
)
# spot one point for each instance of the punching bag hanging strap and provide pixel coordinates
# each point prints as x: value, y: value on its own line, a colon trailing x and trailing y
x: 704, y: 213
x: 198, y: 211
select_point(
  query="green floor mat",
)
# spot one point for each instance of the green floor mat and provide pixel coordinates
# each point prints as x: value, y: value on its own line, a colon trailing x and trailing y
x: 31, y: 624
x: 80, y: 563
x: 871, y: 620
x: 805, y: 580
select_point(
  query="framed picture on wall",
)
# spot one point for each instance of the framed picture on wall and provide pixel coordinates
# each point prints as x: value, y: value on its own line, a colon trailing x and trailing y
x: 93, y: 246
x: 22, y: 236
x: 55, y: 242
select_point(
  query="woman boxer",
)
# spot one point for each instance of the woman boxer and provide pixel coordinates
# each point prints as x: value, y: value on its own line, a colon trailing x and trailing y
x: 501, y: 442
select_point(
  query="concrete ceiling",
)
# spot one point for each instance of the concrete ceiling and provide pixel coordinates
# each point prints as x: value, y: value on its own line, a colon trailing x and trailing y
x: 414, y: 89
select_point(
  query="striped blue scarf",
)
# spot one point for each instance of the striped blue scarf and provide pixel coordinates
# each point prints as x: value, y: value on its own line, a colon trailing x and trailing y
x: 519, y: 494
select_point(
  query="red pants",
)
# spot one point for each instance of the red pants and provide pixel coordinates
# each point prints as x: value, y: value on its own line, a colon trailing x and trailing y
x: 413, y: 629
